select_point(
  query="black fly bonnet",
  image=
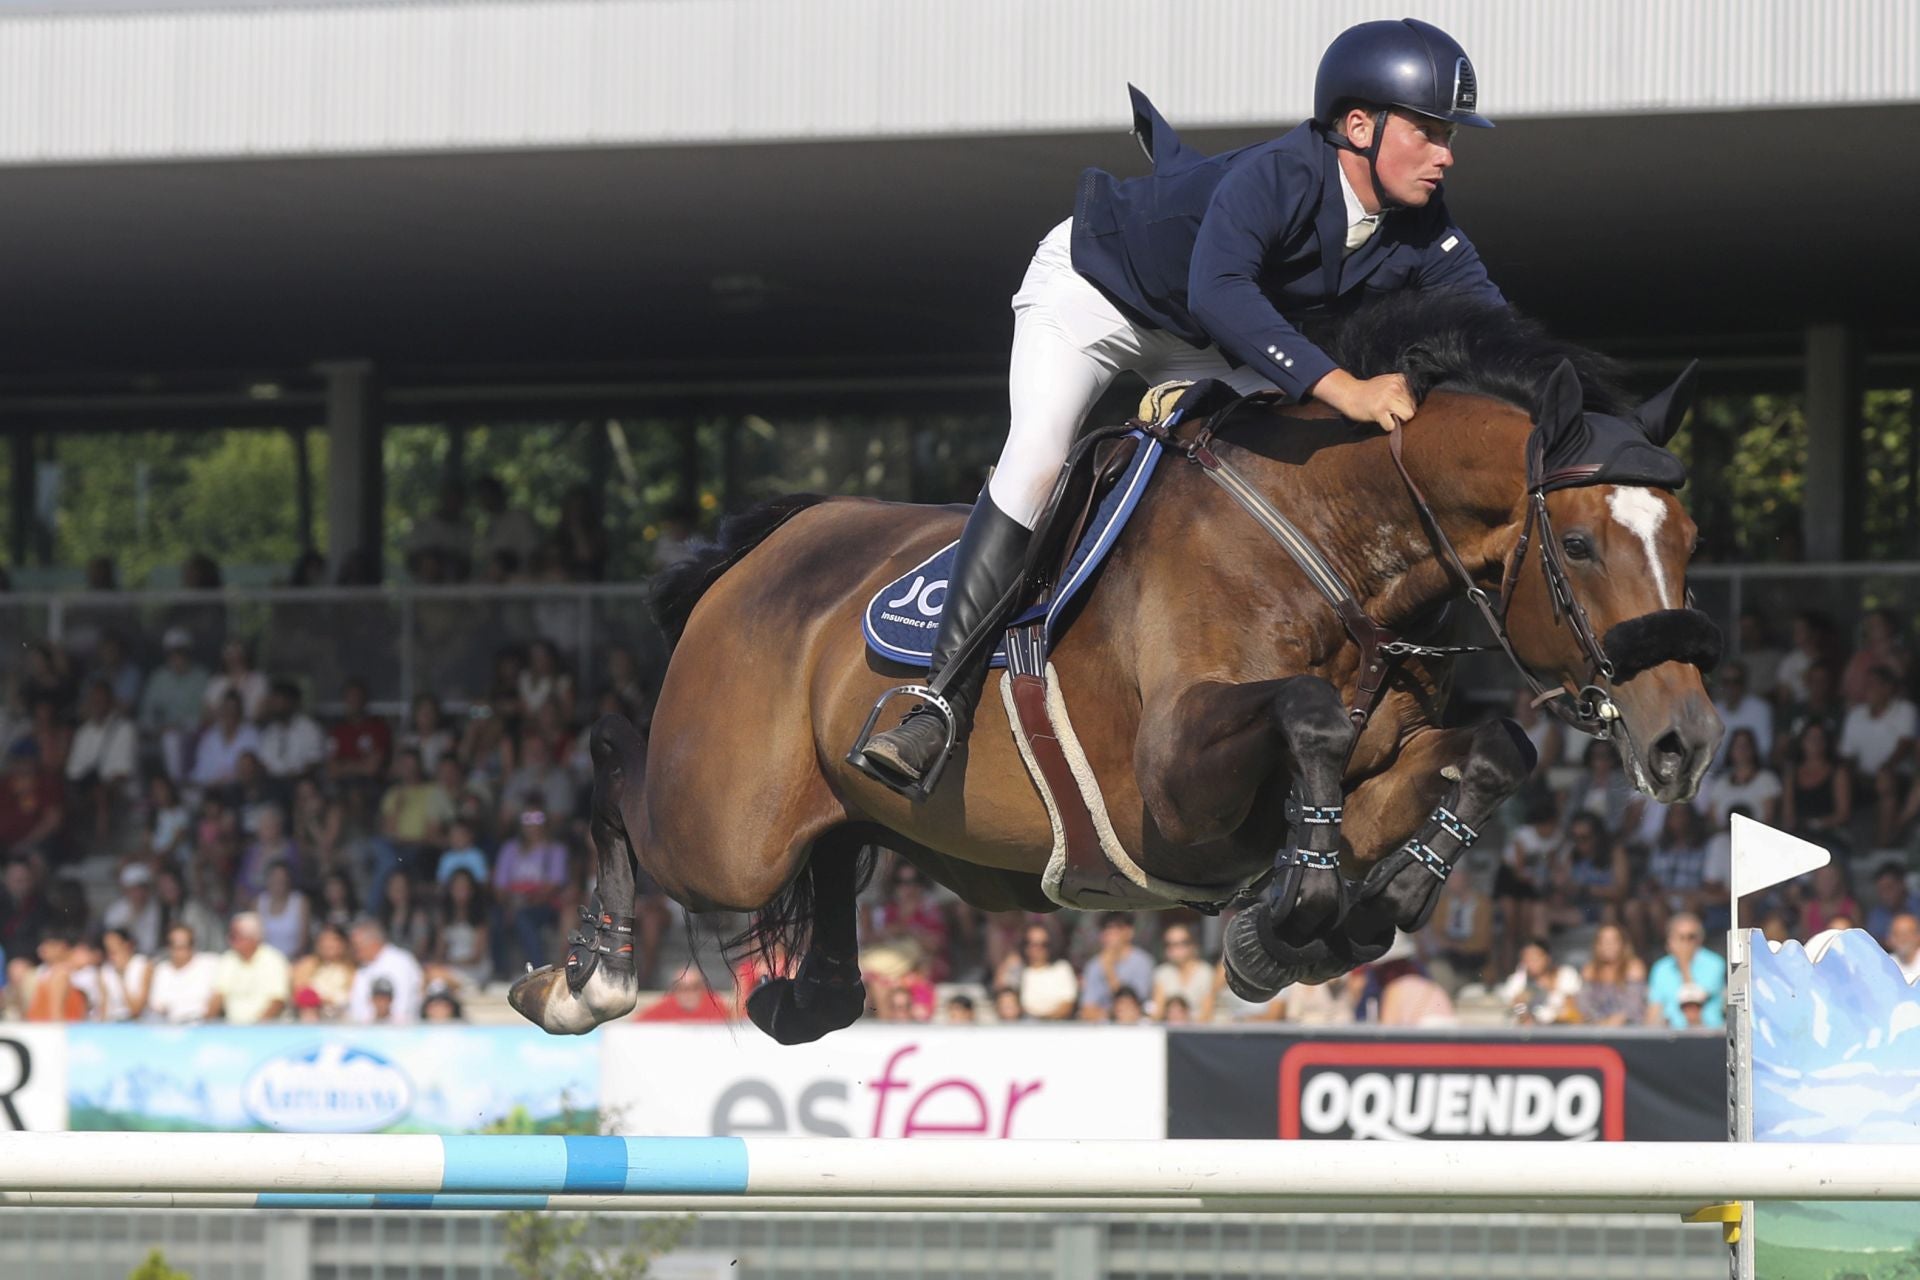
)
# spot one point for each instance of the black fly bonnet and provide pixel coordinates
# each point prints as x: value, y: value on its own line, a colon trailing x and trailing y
x: 1570, y: 447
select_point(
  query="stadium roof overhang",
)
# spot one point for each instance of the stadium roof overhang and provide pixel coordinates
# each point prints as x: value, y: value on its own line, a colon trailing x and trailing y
x: 1713, y: 234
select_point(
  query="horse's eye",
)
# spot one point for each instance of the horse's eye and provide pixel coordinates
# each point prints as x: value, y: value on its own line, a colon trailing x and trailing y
x: 1577, y: 547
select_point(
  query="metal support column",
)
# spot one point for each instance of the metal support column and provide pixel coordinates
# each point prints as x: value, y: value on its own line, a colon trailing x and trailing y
x: 21, y: 535
x: 1831, y: 521
x: 289, y: 1248
x: 1079, y: 1251
x: 355, y: 493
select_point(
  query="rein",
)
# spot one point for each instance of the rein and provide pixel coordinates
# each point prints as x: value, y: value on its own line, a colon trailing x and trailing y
x: 1382, y: 649
x: 1593, y: 712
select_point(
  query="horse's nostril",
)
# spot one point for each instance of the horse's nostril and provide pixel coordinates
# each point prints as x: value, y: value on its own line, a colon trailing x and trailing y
x: 1668, y: 755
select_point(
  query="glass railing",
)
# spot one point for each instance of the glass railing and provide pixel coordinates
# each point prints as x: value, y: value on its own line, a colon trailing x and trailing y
x: 444, y: 641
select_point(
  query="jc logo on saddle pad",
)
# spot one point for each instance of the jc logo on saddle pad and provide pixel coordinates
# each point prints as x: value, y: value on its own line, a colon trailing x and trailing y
x: 901, y: 619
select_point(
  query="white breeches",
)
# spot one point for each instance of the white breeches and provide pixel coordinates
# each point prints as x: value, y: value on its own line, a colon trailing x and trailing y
x: 1069, y: 342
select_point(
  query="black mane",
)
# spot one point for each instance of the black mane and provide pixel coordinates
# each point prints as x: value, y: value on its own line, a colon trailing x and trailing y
x: 1442, y: 339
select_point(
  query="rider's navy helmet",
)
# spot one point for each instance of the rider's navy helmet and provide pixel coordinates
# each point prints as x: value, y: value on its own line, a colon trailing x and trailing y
x: 1409, y: 64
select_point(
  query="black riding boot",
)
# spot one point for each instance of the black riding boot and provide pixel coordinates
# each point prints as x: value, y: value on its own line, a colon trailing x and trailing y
x: 992, y: 552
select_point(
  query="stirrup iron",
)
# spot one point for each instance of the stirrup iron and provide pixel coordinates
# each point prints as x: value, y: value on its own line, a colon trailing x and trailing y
x: 914, y: 791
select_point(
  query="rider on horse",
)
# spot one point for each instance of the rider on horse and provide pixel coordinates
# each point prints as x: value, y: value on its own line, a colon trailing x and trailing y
x: 1191, y: 273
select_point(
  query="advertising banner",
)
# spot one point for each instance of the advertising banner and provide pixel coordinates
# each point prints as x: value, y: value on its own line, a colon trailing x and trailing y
x: 889, y: 1082
x: 311, y: 1079
x: 1565, y: 1088
x: 1834, y: 1059
x: 33, y: 1077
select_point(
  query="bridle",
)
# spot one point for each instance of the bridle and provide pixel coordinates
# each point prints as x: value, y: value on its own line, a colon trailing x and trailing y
x: 1588, y: 708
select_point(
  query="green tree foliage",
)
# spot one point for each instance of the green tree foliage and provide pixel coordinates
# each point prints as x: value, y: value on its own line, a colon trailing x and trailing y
x: 155, y: 1268
x: 1891, y: 457
x: 1747, y: 458
x: 148, y: 500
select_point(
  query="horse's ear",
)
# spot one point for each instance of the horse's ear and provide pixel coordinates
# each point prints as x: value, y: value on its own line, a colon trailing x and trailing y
x: 1660, y: 417
x: 1560, y: 399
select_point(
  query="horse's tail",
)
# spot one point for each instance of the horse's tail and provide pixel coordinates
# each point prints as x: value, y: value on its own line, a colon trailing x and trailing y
x: 678, y: 588
x: 779, y: 933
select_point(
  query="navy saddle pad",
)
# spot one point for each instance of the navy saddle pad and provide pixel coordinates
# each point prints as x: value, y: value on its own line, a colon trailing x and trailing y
x: 901, y: 619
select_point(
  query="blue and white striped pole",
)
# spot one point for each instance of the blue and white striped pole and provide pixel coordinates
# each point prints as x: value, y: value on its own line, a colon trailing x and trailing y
x: 409, y: 1171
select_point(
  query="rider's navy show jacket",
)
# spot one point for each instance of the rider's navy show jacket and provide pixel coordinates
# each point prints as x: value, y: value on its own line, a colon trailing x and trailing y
x: 1215, y: 249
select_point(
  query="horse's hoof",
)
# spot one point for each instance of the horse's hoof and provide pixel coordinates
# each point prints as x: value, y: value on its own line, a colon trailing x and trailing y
x: 1358, y: 944
x: 545, y: 998
x: 1252, y: 974
x: 780, y: 1008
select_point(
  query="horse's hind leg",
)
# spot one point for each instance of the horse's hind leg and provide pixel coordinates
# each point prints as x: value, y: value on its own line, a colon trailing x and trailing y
x: 825, y: 992
x: 599, y: 980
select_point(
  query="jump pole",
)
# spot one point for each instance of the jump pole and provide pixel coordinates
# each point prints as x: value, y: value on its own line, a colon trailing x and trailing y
x: 1449, y: 1176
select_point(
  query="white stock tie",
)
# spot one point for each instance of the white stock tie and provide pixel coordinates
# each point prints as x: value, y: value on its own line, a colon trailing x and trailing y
x: 1362, y: 231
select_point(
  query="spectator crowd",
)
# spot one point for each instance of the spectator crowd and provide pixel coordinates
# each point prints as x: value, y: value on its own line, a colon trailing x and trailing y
x: 187, y: 839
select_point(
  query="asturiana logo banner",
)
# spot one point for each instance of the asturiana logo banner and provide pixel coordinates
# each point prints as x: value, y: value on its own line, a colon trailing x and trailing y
x: 330, y: 1088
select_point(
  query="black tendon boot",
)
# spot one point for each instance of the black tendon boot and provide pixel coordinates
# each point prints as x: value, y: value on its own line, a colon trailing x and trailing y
x: 993, y: 551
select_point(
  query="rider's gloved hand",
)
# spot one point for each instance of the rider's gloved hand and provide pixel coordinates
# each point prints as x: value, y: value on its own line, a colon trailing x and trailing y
x: 1385, y: 400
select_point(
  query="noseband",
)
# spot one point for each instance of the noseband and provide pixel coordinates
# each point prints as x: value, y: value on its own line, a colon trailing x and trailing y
x: 1628, y: 648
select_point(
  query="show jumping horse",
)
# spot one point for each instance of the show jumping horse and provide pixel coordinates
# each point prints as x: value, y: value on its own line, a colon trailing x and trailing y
x: 1223, y: 706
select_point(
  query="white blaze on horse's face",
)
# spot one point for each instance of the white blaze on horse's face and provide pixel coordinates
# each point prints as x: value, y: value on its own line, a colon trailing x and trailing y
x: 1642, y: 512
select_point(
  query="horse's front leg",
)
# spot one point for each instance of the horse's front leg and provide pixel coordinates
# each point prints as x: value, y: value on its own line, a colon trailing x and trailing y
x: 1202, y: 764
x: 1411, y: 824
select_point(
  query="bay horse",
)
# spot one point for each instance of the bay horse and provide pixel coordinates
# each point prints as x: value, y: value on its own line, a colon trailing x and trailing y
x: 1210, y: 683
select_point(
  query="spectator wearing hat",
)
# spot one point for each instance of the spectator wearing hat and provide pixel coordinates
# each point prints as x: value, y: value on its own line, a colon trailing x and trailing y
x: 528, y: 878
x: 252, y: 983
x: 1693, y: 1005
x: 182, y: 987
x: 32, y: 803
x: 136, y: 910
x: 441, y: 1004
x: 171, y: 704
x: 386, y: 971
x: 688, y: 999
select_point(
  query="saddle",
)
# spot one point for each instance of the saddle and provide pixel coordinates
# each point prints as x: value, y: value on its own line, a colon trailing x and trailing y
x: 1096, y: 492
